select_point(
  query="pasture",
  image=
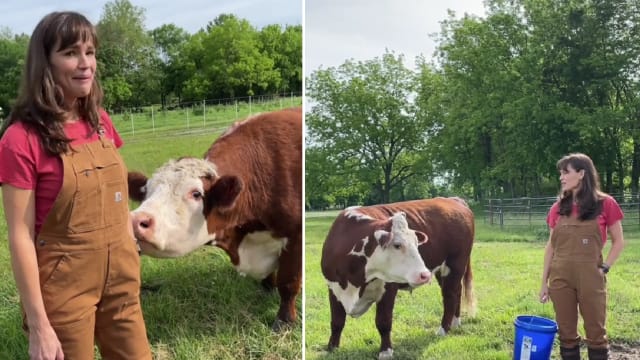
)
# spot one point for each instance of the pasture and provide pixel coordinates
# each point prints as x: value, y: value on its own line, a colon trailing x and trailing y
x: 195, y: 307
x: 507, y: 267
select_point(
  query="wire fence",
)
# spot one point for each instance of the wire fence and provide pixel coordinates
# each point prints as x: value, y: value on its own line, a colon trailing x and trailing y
x: 532, y: 211
x: 194, y: 117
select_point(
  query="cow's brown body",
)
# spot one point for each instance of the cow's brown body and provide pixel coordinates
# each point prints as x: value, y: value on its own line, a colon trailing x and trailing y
x: 256, y: 187
x: 448, y: 223
x: 266, y: 156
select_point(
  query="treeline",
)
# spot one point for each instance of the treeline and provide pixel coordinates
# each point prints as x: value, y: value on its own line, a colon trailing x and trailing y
x: 227, y: 58
x: 504, y: 97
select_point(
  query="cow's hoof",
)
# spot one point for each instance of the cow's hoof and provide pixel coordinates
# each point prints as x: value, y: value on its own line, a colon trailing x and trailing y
x: 387, y: 354
x: 456, y: 322
x: 280, y: 325
x: 441, y: 332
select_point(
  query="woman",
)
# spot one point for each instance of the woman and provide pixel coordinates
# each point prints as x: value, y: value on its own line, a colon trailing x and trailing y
x: 574, y: 273
x: 64, y: 193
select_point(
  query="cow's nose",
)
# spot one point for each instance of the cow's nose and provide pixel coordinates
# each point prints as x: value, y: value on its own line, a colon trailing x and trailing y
x: 143, y: 224
x: 425, y: 277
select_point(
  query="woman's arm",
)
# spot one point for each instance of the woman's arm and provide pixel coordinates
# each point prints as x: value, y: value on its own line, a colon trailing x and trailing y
x: 548, y: 255
x: 19, y: 209
x: 617, y: 242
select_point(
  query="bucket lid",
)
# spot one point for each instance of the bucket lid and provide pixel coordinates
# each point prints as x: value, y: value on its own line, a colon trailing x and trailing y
x: 536, y: 323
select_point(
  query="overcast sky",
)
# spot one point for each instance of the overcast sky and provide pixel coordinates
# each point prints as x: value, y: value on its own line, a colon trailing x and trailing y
x: 21, y: 16
x: 337, y: 30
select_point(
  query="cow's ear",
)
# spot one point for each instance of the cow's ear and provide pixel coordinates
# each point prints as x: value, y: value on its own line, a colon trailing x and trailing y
x: 137, y: 182
x: 422, y: 238
x: 223, y: 193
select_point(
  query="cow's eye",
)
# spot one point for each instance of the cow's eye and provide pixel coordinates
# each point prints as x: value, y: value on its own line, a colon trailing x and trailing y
x: 397, y: 246
x: 196, y: 195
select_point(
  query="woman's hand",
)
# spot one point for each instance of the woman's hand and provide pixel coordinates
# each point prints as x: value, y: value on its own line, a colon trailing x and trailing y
x: 544, y: 293
x: 44, y: 344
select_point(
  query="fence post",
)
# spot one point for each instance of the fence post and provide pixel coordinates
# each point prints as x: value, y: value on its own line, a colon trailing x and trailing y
x: 491, y: 212
x: 204, y: 113
x: 250, y: 105
x: 133, y: 130
x: 153, y: 120
x: 501, y: 214
x: 187, y: 117
x: 529, y: 210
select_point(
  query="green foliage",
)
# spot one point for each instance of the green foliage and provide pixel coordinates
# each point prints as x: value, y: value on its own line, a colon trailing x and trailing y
x: 234, y: 59
x: 12, y: 53
x: 285, y: 48
x: 167, y: 65
x: 363, y: 115
x: 531, y: 82
x: 129, y: 64
x: 504, y: 98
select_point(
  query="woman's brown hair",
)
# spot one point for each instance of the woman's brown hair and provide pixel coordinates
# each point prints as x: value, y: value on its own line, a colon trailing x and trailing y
x: 588, y: 196
x: 40, y: 103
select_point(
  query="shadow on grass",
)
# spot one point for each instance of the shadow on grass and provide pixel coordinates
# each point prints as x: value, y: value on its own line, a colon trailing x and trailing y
x: 407, y: 348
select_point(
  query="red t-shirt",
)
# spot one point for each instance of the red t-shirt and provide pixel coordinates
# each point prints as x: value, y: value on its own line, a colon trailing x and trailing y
x: 611, y: 213
x: 25, y: 164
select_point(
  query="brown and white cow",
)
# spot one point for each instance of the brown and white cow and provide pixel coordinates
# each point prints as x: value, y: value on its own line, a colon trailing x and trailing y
x: 356, y: 282
x: 244, y: 197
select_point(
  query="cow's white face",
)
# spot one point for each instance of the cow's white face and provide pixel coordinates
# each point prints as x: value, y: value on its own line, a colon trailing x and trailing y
x: 397, y: 258
x: 170, y: 221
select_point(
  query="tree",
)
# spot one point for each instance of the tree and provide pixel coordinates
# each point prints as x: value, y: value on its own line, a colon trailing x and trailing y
x: 235, y: 60
x: 12, y: 51
x: 285, y: 49
x: 562, y: 73
x: 129, y: 65
x: 363, y: 114
x: 169, y: 40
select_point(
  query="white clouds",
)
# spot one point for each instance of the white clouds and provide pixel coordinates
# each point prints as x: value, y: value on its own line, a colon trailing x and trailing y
x: 336, y: 30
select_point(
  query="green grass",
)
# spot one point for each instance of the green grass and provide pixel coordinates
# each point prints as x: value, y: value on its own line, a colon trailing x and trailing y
x: 507, y: 268
x: 200, y: 307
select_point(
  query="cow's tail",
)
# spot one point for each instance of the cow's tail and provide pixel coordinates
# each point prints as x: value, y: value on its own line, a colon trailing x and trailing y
x: 467, y: 291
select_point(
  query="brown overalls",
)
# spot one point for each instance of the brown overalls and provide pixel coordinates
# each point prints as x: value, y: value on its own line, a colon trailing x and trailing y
x: 575, y: 281
x: 88, y: 264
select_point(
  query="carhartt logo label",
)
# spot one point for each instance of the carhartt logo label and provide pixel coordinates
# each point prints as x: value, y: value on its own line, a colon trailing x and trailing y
x: 585, y: 241
x: 118, y: 196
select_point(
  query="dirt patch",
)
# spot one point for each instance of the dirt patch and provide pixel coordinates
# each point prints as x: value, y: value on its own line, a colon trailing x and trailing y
x: 624, y: 351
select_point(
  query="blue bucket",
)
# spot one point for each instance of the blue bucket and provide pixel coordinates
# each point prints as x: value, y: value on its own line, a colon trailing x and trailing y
x: 534, y: 337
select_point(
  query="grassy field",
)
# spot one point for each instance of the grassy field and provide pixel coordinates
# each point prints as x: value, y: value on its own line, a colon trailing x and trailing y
x: 197, y: 307
x: 506, y: 266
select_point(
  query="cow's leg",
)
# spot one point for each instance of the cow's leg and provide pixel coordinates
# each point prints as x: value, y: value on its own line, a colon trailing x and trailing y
x: 384, y: 320
x: 269, y: 283
x: 451, y: 288
x: 288, y: 281
x: 338, y: 317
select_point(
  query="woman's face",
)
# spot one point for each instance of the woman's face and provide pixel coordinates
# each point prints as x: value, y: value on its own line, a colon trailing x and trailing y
x: 73, y: 70
x: 570, y: 179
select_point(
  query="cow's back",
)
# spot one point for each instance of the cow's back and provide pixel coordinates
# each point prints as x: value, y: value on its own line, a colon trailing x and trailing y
x: 265, y: 152
x: 448, y: 223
